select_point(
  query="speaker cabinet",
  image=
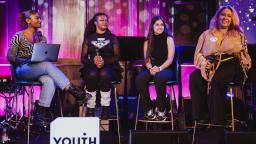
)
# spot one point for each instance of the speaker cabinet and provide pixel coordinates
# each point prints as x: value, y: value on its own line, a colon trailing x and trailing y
x: 240, y: 137
x: 159, y: 137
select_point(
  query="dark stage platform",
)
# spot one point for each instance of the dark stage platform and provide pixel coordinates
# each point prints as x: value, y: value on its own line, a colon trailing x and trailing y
x: 203, y: 136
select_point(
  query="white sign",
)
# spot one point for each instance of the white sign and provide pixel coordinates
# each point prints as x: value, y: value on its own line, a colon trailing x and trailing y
x: 75, y: 130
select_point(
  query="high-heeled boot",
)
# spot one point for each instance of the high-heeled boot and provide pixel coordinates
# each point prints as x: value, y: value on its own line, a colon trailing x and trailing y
x: 81, y: 96
x: 39, y: 116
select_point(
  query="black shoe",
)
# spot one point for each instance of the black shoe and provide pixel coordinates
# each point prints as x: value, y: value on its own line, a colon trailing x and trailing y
x: 81, y: 96
x: 105, y: 112
x: 38, y: 116
x: 90, y: 112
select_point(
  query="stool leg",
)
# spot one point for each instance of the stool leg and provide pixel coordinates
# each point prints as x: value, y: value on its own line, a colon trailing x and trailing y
x: 16, y: 102
x: 60, y: 103
x: 30, y: 95
x: 23, y: 100
x: 137, y: 112
x: 194, y: 132
x: 232, y: 108
x: 117, y: 115
x: 170, y: 97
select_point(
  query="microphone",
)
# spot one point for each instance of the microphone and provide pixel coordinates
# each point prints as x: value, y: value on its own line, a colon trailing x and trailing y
x: 97, y: 52
x: 40, y: 36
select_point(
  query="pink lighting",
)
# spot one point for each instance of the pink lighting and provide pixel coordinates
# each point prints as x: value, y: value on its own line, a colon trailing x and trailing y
x: 186, y: 70
x: 6, y: 71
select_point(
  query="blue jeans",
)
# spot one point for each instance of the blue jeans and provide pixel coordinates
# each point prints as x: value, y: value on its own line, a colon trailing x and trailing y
x: 48, y: 74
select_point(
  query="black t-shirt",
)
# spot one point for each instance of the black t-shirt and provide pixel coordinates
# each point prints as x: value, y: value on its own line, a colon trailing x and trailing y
x: 106, y: 44
x: 101, y: 42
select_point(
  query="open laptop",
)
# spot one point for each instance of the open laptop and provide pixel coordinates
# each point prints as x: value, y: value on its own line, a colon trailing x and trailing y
x: 45, y: 52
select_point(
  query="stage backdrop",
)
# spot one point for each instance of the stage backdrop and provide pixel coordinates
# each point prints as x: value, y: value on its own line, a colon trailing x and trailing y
x: 64, y: 21
x: 247, y: 12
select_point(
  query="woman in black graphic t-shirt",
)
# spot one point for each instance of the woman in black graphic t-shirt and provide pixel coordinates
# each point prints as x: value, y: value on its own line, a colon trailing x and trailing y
x: 100, y: 54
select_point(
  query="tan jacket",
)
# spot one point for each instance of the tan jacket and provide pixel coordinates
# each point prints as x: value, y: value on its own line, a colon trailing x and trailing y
x: 207, y: 45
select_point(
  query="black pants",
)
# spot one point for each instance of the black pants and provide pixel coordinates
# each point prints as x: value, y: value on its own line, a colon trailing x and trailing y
x: 98, y: 79
x: 159, y: 79
x: 213, y: 105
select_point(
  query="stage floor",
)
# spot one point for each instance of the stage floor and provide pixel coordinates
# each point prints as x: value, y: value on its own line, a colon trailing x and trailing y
x: 202, y: 136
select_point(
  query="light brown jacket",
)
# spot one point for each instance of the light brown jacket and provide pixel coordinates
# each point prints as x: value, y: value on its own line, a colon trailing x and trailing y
x: 230, y: 44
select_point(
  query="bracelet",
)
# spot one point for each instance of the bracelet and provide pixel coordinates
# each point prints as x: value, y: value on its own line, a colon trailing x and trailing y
x: 160, y: 69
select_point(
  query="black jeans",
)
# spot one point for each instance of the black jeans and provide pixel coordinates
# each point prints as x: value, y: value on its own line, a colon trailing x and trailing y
x: 213, y: 105
x: 159, y: 79
x: 98, y: 79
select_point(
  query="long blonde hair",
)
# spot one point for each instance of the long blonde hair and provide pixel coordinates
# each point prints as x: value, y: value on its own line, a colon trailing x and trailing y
x: 234, y: 27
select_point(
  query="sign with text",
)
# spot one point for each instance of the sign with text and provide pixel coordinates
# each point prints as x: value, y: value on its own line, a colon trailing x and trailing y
x: 75, y: 130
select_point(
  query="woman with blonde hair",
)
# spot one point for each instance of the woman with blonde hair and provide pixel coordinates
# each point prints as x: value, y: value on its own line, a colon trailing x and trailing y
x: 221, y: 56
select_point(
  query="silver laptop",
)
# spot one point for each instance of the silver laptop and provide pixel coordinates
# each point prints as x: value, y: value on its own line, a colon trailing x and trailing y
x: 45, y: 52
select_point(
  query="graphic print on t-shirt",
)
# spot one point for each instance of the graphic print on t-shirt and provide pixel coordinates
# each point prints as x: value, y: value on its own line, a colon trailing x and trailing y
x: 100, y: 42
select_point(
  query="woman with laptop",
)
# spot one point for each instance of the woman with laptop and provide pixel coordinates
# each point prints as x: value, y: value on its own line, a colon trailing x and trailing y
x: 19, y: 54
x: 100, y: 55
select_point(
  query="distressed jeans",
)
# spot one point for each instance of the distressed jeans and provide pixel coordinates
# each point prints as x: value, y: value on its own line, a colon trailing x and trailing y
x: 46, y: 73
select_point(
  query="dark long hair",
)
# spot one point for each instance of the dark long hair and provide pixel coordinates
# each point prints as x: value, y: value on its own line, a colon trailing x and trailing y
x: 151, y: 34
x: 91, y: 27
x: 26, y: 14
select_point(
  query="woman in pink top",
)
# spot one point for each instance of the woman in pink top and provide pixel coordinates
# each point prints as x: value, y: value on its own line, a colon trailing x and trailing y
x: 221, y: 56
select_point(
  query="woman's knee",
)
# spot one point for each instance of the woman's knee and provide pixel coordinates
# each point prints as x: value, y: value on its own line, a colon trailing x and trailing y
x: 105, y: 74
x: 92, y: 75
x: 162, y: 78
x: 47, y: 81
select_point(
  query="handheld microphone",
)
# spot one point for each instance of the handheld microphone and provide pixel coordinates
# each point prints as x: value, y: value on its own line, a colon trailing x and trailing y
x: 40, y: 36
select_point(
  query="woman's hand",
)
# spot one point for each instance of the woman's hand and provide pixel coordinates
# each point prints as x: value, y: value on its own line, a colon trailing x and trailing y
x: 154, y: 70
x: 98, y: 61
x: 148, y: 65
x: 208, y: 65
x: 244, y: 61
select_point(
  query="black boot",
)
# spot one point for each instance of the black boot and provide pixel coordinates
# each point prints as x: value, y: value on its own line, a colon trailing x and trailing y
x: 38, y: 116
x: 105, y: 112
x: 81, y: 96
x: 90, y: 112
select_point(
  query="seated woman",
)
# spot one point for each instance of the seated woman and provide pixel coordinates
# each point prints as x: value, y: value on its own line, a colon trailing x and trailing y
x: 159, y: 52
x: 221, y: 57
x: 100, y: 55
x: 19, y: 54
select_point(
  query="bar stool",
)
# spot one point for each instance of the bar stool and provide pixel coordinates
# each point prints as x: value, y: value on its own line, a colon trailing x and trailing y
x: 20, y: 88
x: 234, y: 93
x: 112, y: 118
x: 116, y: 117
x: 231, y: 86
x: 171, y: 96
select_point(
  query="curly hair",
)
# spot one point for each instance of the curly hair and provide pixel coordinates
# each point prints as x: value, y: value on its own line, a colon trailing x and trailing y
x: 91, y: 27
x: 25, y: 15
